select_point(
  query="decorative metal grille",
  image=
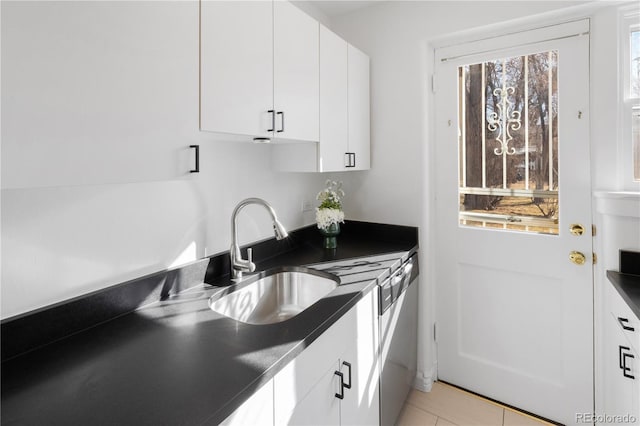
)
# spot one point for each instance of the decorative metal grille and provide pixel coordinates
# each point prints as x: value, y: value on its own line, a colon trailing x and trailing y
x: 504, y: 120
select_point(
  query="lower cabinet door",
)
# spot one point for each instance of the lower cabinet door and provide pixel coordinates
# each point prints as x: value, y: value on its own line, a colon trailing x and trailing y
x: 336, y: 379
x: 305, y: 389
x: 256, y: 411
x: 319, y: 406
x: 361, y: 403
x: 621, y: 386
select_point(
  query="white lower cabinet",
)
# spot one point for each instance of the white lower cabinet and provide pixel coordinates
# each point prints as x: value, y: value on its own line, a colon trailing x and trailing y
x: 308, y: 403
x: 308, y: 390
x: 256, y: 411
x: 621, y: 363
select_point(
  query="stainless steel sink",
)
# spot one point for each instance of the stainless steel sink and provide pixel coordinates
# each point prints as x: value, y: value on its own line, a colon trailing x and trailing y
x: 274, y: 295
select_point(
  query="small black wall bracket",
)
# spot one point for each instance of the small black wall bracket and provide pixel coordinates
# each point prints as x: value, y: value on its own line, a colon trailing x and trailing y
x: 197, y: 148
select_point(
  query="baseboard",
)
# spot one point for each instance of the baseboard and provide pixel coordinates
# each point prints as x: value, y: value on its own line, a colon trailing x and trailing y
x: 424, y: 380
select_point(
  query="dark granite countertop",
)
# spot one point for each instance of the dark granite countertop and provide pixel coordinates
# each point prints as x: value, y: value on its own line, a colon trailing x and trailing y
x: 628, y: 286
x: 176, y: 362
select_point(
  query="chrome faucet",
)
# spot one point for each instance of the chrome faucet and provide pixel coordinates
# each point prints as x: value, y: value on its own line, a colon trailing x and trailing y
x: 238, y: 264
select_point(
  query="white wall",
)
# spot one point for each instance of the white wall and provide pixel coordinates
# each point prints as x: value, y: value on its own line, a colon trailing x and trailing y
x: 124, y: 206
x: 100, y: 104
x: 399, y: 37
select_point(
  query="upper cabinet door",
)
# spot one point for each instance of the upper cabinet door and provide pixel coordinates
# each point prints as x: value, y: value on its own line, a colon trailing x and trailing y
x: 296, y: 77
x: 359, y: 121
x: 333, y: 102
x: 236, y: 71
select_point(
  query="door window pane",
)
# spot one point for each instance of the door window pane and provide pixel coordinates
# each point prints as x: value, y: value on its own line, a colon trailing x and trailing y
x: 508, y: 164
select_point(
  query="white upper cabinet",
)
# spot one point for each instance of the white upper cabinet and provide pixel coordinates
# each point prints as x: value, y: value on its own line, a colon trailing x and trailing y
x: 359, y: 110
x: 83, y: 104
x: 344, y: 113
x: 296, y: 76
x: 236, y: 67
x: 334, y: 127
x: 259, y: 70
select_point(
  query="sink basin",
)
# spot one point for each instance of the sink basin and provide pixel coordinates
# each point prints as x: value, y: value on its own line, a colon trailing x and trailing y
x: 274, y: 295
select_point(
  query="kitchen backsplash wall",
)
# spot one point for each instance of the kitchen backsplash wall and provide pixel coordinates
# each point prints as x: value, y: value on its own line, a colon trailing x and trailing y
x: 100, y: 105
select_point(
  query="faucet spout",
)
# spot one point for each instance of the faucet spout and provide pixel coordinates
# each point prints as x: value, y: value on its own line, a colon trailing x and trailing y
x: 238, y: 264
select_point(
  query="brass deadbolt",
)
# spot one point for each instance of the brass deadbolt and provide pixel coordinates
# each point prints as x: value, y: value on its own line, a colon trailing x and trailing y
x: 576, y: 229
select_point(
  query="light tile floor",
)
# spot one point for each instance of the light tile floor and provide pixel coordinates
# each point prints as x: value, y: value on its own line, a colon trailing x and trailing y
x: 446, y: 405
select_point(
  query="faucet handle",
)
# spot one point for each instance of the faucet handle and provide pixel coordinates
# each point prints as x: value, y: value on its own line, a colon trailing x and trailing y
x: 250, y: 265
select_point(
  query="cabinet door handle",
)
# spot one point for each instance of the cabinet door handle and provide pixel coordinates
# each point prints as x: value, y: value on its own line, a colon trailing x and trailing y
x: 350, y: 159
x: 348, y: 365
x: 625, y: 369
x: 623, y: 361
x: 197, y: 148
x: 341, y: 394
x: 273, y: 120
x: 281, y: 113
x: 623, y: 322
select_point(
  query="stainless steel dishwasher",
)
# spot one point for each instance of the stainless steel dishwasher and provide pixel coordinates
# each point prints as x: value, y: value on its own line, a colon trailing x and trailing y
x: 398, y: 320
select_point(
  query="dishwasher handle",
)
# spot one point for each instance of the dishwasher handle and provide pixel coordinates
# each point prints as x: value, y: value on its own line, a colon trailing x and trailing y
x: 397, y: 283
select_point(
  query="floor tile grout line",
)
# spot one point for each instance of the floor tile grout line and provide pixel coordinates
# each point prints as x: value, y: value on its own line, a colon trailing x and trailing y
x: 522, y: 413
x: 429, y: 412
x: 421, y: 409
x: 494, y: 403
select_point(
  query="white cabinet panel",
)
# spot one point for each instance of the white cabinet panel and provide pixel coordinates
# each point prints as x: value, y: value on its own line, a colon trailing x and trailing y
x: 620, y: 363
x: 344, y: 114
x: 333, y: 102
x: 259, y: 70
x: 359, y: 112
x: 257, y: 410
x: 305, y: 390
x: 296, y: 65
x: 312, y: 373
x: 317, y: 406
x: 98, y: 92
x: 236, y: 66
x: 361, y: 404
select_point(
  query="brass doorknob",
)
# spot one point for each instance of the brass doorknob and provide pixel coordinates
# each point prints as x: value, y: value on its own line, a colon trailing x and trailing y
x: 577, y: 257
x: 576, y: 229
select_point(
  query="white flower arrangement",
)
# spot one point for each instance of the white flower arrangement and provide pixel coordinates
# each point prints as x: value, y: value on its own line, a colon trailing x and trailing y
x: 330, y: 209
x: 326, y: 217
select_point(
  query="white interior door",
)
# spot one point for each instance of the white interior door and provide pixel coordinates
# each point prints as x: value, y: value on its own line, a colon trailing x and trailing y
x: 514, y: 313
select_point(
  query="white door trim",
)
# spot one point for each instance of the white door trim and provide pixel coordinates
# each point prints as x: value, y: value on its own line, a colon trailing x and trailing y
x: 516, y: 39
